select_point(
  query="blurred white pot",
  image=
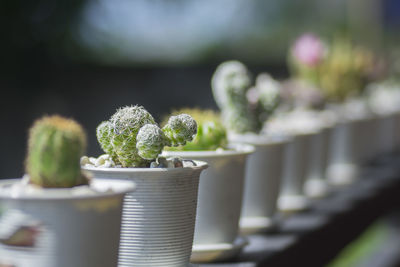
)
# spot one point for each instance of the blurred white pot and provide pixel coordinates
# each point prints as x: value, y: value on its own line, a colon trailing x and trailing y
x: 342, y: 166
x: 62, y: 227
x: 316, y: 184
x: 296, y: 164
x: 158, y: 219
x: 262, y: 182
x: 386, y: 135
x: 219, y: 202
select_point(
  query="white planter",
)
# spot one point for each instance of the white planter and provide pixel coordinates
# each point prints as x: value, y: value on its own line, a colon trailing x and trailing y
x: 316, y: 183
x: 342, y: 166
x: 386, y: 130
x: 296, y: 165
x: 262, y: 182
x: 219, y: 203
x: 158, y: 219
x: 397, y: 130
x: 67, y: 228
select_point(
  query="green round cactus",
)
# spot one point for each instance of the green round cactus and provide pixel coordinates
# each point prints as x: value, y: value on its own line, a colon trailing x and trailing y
x: 180, y: 129
x: 211, y: 133
x: 133, y: 139
x: 150, y: 141
x: 55, y: 147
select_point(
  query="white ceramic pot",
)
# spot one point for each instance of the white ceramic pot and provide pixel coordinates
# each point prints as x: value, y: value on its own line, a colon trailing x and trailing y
x: 296, y: 165
x: 158, y: 219
x: 62, y: 227
x: 397, y: 130
x: 367, y: 138
x: 386, y: 137
x: 216, y: 235
x: 316, y: 184
x: 262, y: 182
x: 342, y: 166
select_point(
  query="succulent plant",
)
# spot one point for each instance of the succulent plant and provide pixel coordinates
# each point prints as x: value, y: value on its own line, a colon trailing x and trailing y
x: 133, y: 139
x: 211, y: 133
x: 244, y: 108
x: 341, y: 69
x: 55, y: 147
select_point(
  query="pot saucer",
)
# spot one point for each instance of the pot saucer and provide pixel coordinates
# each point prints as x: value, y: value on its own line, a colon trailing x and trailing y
x: 316, y: 188
x: 293, y: 203
x: 252, y: 225
x: 217, y: 252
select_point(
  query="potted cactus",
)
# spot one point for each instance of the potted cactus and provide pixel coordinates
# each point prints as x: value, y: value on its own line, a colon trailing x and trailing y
x: 56, y: 215
x: 244, y: 110
x: 218, y: 205
x: 158, y: 220
x: 341, y: 71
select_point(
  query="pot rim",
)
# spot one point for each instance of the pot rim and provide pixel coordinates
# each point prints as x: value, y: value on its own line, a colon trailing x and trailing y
x: 233, y: 150
x: 259, y: 139
x: 118, y: 186
x: 200, y: 165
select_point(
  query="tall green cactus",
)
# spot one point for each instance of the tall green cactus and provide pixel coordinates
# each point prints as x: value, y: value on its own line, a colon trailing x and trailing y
x: 133, y: 139
x: 244, y: 108
x: 55, y: 147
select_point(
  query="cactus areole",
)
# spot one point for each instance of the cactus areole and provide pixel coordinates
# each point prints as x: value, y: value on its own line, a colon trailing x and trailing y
x: 54, y: 149
x: 133, y: 139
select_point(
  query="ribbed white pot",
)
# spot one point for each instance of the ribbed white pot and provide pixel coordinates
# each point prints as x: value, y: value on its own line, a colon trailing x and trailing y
x: 342, y: 166
x: 262, y: 183
x: 316, y: 184
x: 63, y: 227
x: 297, y: 158
x: 158, y: 219
x: 216, y: 235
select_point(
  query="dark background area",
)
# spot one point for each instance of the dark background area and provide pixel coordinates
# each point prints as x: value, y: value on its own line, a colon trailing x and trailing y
x: 48, y: 65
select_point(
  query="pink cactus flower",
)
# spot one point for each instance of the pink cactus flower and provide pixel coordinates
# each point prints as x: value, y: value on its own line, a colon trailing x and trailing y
x: 308, y: 50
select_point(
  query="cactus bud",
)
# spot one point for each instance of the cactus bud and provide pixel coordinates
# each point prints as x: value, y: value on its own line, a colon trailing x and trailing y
x: 180, y: 129
x: 55, y: 147
x: 150, y: 141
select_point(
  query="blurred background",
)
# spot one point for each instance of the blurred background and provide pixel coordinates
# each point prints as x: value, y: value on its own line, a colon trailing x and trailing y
x: 85, y: 58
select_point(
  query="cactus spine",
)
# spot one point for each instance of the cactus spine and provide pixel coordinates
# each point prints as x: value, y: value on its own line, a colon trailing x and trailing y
x: 54, y: 149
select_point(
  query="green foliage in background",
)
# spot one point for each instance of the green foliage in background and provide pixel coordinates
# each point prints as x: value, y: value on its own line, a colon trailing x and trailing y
x: 363, y: 247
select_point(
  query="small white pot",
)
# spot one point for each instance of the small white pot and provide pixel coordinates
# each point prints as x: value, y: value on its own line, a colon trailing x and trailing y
x: 386, y: 131
x: 158, y: 219
x: 219, y: 202
x: 62, y: 227
x: 316, y: 185
x: 262, y: 183
x: 366, y: 138
x: 296, y: 165
x: 342, y: 166
x: 397, y: 130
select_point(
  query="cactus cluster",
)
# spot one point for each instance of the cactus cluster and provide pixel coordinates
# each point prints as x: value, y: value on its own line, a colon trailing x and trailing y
x: 211, y: 133
x: 340, y: 69
x: 55, y: 147
x: 133, y: 139
x: 244, y: 107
